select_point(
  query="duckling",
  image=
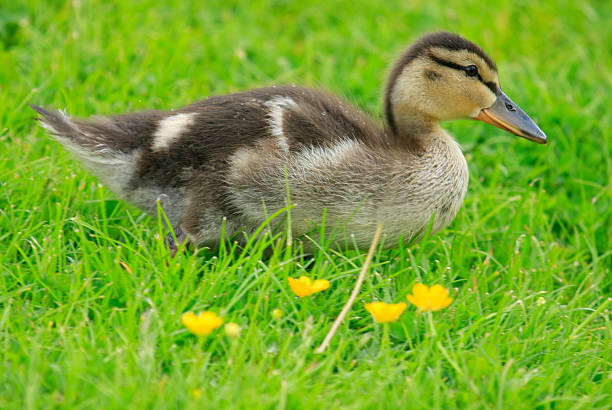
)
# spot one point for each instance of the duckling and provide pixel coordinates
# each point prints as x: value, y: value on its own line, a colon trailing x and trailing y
x: 229, y: 162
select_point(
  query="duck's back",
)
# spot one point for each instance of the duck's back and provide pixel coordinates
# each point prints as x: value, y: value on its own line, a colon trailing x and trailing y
x: 207, y: 133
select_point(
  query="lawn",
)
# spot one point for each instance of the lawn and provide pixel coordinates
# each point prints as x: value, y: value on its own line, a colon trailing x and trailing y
x: 91, y: 305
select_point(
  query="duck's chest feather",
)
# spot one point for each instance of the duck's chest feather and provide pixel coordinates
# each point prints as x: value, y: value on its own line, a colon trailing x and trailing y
x: 432, y: 184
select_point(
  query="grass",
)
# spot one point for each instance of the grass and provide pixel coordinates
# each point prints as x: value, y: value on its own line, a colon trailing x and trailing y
x: 527, y: 259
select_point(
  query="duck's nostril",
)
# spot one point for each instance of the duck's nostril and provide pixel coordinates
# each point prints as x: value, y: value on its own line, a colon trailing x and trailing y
x: 510, y: 107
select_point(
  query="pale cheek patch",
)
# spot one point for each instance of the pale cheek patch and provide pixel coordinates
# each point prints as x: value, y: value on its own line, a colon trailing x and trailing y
x: 170, y: 129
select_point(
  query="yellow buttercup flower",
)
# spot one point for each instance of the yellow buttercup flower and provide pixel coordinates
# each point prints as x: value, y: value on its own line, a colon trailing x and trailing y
x: 429, y: 299
x: 385, y: 312
x: 202, y: 324
x: 277, y: 313
x: 304, y: 286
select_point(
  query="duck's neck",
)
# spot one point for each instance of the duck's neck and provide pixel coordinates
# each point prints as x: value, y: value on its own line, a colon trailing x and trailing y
x: 413, y: 128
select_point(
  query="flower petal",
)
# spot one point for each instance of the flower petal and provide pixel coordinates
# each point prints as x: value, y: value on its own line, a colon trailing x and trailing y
x: 304, y: 286
x: 420, y: 297
x: 298, y: 286
x: 385, y: 312
x: 438, y: 298
x: 189, y: 319
x: 438, y: 291
x: 202, y: 324
x: 319, y: 285
x: 429, y: 299
x: 398, y: 308
x: 441, y: 304
x: 305, y: 280
x: 210, y: 319
x: 412, y: 300
x: 420, y: 291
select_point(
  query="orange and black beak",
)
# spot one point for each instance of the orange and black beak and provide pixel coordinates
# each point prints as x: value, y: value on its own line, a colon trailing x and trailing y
x: 508, y: 116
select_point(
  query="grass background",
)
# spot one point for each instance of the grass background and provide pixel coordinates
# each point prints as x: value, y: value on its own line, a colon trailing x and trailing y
x: 527, y: 260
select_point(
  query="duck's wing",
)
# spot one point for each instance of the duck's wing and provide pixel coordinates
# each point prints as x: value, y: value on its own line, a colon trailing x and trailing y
x: 295, y: 117
x: 305, y: 118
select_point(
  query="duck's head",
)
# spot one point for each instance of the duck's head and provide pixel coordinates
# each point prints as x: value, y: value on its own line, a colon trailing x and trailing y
x: 443, y: 76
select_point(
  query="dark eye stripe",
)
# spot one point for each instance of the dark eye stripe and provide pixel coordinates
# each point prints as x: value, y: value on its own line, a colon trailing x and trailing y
x: 489, y: 84
x: 446, y: 63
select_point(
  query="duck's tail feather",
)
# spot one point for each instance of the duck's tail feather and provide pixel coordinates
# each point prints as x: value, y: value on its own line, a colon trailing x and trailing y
x: 87, y: 140
x: 98, y: 143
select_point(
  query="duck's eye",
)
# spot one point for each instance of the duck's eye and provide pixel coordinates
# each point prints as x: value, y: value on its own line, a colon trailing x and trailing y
x: 471, y: 70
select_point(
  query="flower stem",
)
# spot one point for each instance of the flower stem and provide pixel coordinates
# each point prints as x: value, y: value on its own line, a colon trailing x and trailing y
x: 384, y: 343
x: 432, y: 328
x: 385, y: 335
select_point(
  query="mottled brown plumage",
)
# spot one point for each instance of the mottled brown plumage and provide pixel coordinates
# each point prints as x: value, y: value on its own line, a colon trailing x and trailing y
x: 231, y: 160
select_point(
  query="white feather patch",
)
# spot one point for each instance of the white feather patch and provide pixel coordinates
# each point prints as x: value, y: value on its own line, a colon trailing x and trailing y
x: 315, y: 158
x: 277, y: 105
x: 170, y: 129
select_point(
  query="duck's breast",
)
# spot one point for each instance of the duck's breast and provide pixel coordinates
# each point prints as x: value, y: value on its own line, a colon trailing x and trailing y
x: 430, y: 185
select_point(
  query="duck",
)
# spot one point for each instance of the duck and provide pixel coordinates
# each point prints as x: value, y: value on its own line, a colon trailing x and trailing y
x: 223, y: 166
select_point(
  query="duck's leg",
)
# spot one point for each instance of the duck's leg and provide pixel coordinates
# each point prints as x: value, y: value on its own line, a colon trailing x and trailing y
x: 181, y: 238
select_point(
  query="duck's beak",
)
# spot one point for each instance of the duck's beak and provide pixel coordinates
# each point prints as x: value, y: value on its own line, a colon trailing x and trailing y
x: 508, y: 116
